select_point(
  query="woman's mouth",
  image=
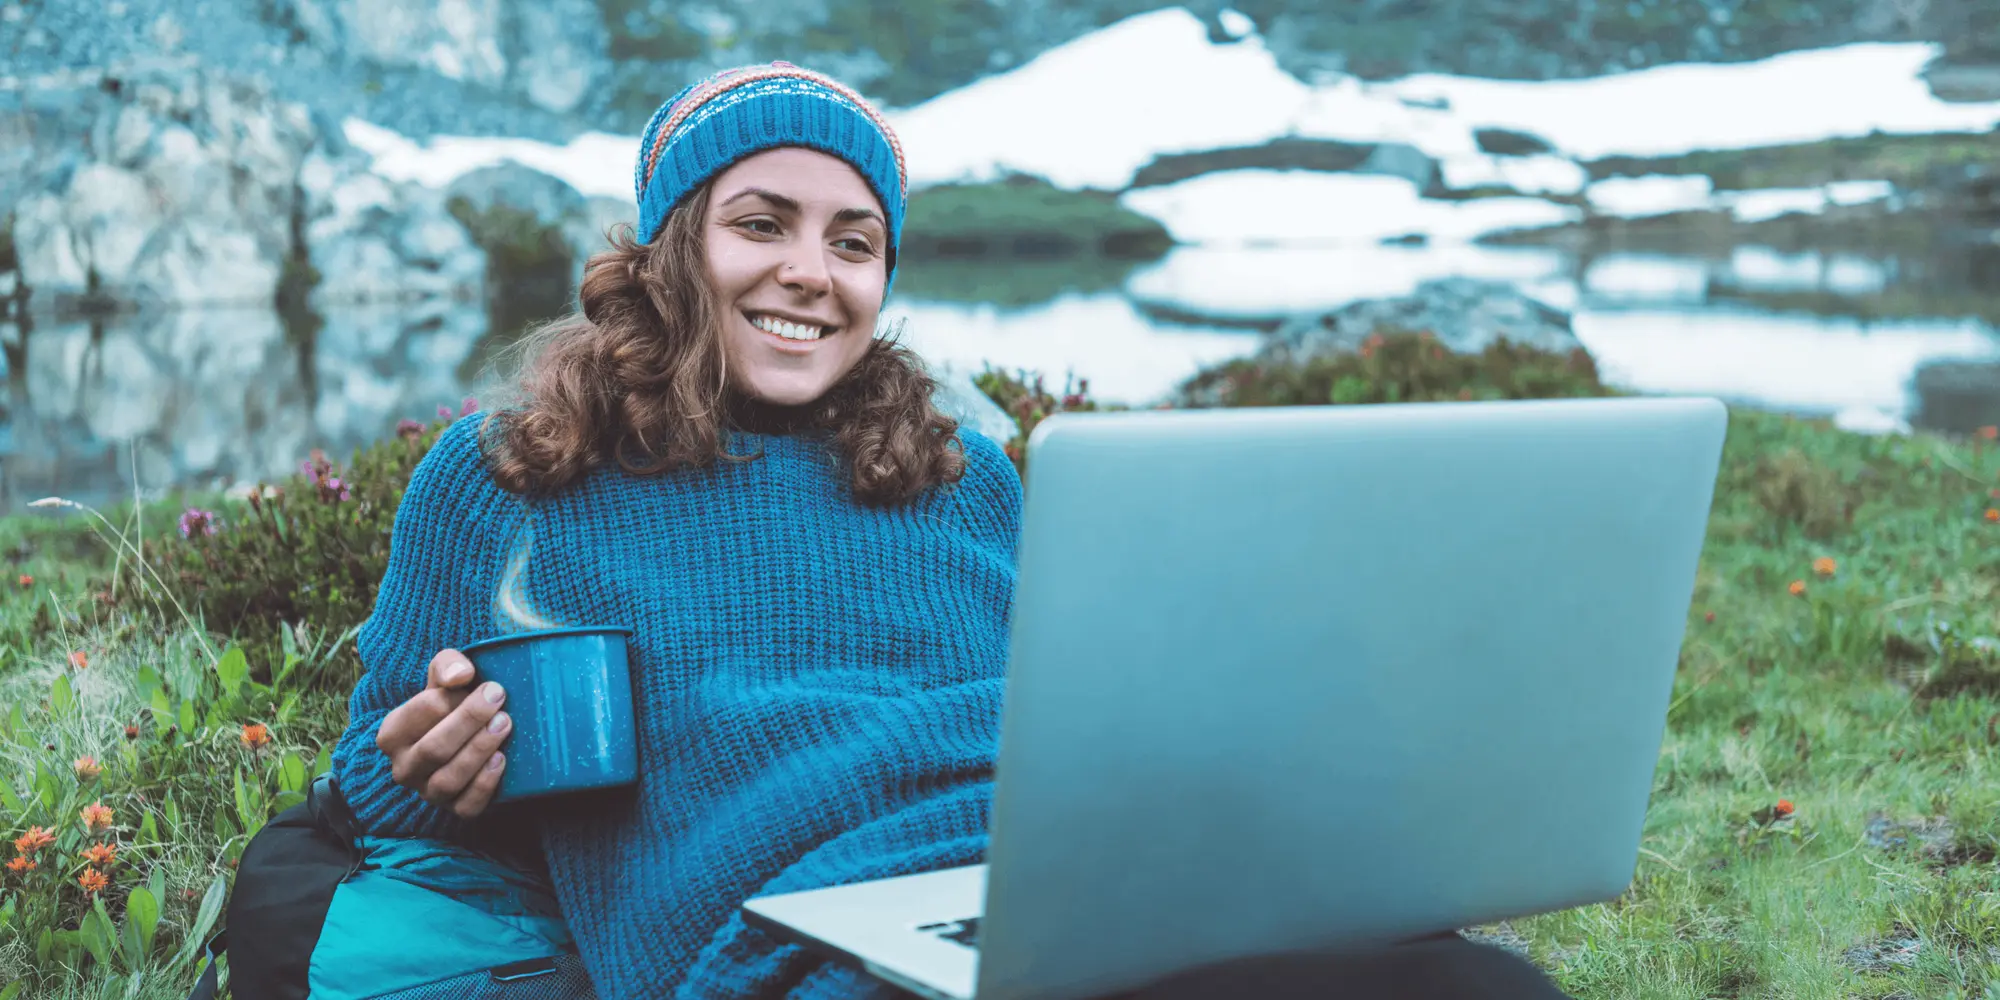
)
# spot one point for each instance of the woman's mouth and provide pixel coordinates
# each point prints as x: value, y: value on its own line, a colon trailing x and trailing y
x: 788, y: 329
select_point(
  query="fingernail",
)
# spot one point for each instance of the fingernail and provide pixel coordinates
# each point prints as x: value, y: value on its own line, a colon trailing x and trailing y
x: 495, y: 762
x: 493, y: 693
x: 457, y: 672
x: 499, y: 722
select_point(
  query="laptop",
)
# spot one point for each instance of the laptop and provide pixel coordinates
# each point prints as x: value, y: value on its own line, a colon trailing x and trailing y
x: 1309, y: 678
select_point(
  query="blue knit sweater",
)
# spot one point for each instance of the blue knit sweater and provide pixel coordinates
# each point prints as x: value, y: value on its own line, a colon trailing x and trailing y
x: 818, y: 689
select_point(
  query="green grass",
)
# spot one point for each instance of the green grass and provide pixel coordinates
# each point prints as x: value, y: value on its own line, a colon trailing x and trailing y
x: 1026, y: 217
x: 1836, y: 701
x: 1908, y: 161
x: 1867, y: 699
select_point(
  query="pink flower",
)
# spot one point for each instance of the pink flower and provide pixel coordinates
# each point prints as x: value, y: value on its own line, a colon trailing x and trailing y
x: 470, y: 405
x: 444, y: 412
x: 196, y: 522
x: 407, y: 428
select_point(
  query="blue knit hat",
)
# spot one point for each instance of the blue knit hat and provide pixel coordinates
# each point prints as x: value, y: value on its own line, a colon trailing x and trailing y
x: 710, y: 125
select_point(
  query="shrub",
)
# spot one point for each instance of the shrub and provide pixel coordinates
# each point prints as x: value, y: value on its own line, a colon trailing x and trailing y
x: 1794, y: 489
x: 1026, y: 398
x: 311, y: 549
x: 1397, y: 367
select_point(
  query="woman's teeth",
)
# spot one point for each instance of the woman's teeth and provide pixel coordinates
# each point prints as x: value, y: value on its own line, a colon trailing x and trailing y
x: 787, y: 330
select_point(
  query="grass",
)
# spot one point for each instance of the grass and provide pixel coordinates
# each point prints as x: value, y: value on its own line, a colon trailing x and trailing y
x: 1868, y: 701
x: 1909, y: 161
x: 1026, y: 217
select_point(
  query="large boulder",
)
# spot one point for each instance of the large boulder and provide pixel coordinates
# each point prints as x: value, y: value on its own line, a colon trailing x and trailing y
x: 1464, y: 314
x: 168, y: 184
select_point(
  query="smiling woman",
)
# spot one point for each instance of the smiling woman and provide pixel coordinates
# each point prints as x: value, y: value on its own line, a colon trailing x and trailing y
x: 813, y: 568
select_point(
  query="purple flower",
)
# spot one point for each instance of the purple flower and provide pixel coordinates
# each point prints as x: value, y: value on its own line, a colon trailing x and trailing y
x: 408, y: 428
x: 444, y: 412
x: 197, y: 523
x: 470, y: 405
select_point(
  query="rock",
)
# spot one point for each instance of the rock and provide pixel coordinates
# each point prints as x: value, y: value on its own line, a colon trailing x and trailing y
x: 562, y: 52
x: 373, y: 241
x: 1465, y: 315
x: 168, y: 184
x: 959, y: 398
x: 1508, y: 142
x: 588, y: 231
x: 549, y: 199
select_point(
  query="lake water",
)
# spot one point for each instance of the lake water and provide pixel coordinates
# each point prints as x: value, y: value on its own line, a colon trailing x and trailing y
x: 211, y: 398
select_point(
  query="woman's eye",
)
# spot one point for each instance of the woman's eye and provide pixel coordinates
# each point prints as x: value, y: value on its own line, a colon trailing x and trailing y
x: 763, y: 226
x: 856, y: 245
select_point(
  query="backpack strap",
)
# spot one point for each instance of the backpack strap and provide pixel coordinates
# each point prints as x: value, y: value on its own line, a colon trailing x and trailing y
x: 205, y: 987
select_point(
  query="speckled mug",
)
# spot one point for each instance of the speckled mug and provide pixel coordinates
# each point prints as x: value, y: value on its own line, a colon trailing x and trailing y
x: 569, y: 692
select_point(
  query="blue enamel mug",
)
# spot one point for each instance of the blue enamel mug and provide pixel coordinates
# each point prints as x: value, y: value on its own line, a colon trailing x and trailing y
x: 569, y: 693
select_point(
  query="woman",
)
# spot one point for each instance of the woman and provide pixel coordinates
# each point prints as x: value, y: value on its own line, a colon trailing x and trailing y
x: 817, y: 564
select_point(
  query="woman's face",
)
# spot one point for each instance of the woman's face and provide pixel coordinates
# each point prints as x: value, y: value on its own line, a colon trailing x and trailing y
x: 796, y: 246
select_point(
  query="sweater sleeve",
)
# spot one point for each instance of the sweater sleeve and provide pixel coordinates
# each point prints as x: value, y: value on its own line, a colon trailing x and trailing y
x: 436, y: 594
x: 993, y: 492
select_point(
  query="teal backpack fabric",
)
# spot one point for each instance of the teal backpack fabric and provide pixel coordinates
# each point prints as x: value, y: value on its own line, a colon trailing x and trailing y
x: 319, y: 913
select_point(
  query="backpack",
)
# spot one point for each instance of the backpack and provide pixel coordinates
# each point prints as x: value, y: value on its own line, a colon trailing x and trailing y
x: 319, y: 912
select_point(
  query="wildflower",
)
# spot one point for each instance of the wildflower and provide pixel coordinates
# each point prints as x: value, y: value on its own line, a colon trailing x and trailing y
x: 21, y: 864
x: 1824, y: 566
x: 27, y: 581
x: 131, y: 732
x: 34, y: 840
x: 444, y: 412
x: 79, y: 659
x: 1784, y: 809
x: 87, y: 768
x: 1798, y: 588
x: 102, y: 855
x: 195, y: 522
x: 93, y: 881
x: 256, y: 735
x: 469, y: 405
x: 96, y: 816
x: 407, y: 428
x: 1989, y: 432
x: 1709, y: 617
x: 1992, y: 514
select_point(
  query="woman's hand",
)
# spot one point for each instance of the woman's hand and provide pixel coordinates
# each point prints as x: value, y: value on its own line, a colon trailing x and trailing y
x: 444, y: 742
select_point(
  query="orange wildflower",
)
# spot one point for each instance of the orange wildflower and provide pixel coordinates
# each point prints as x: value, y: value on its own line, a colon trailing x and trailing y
x: 88, y: 768
x: 79, y: 659
x: 1989, y: 432
x: 256, y: 735
x: 1992, y: 514
x: 102, y: 855
x: 1785, y: 808
x: 27, y: 581
x: 92, y: 880
x: 1798, y: 588
x: 1824, y: 566
x: 21, y: 864
x: 1709, y: 617
x: 96, y: 816
x: 34, y: 840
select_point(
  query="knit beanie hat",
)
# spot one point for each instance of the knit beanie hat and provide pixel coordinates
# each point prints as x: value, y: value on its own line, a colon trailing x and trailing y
x: 710, y: 125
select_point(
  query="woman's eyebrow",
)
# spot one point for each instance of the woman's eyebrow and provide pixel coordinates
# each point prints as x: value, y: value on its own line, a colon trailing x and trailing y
x: 791, y: 205
x: 778, y: 201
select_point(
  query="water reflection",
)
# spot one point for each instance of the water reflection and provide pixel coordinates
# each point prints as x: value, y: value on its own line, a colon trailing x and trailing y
x: 205, y: 398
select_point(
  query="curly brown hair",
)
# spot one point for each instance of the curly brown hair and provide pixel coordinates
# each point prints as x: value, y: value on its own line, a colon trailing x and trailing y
x: 638, y: 377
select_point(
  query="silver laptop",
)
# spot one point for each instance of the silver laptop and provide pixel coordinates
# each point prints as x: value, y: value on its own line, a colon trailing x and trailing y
x: 1309, y: 678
